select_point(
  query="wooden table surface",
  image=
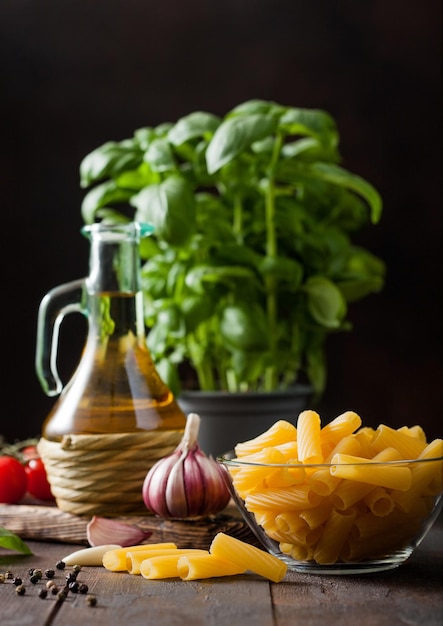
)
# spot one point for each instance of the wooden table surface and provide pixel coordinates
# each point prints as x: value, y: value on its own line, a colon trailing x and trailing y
x: 410, y: 595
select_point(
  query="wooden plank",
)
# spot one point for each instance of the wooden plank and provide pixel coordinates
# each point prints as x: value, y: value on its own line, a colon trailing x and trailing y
x: 37, y: 522
x: 126, y: 599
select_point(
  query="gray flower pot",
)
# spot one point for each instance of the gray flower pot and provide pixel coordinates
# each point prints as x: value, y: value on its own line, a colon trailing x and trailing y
x: 228, y: 418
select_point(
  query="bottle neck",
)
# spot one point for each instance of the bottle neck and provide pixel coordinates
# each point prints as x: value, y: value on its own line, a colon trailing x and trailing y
x: 114, y: 261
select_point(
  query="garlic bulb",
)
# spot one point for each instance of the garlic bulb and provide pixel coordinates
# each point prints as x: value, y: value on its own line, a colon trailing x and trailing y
x: 187, y: 484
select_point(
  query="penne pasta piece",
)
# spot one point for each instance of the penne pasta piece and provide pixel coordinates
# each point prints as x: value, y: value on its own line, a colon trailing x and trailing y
x: 364, y: 437
x: 409, y: 446
x: 335, y: 532
x: 308, y: 437
x: 340, y: 427
x: 323, y: 482
x: 379, y: 501
x: 288, y: 499
x: 413, y: 431
x: 159, y: 567
x: 348, y: 445
x: 425, y: 477
x: 251, y: 477
x: 280, y: 432
x: 289, y: 449
x: 286, y: 476
x: 289, y: 521
x: 392, y: 476
x: 196, y: 567
x: 248, y: 556
x: 318, y: 515
x: 115, y: 560
x: 135, y: 559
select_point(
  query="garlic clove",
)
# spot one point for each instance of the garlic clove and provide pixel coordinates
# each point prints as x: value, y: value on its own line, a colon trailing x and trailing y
x: 101, y: 530
x: 89, y: 556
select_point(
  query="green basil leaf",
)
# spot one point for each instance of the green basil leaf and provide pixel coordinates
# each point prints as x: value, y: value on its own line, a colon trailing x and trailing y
x: 244, y: 327
x: 312, y: 122
x: 198, y: 124
x: 159, y: 156
x: 283, y: 269
x: 339, y: 176
x: 100, y: 196
x: 253, y: 107
x: 326, y: 303
x: 236, y: 135
x: 169, y: 207
x: 108, y: 160
x: 11, y: 541
x: 201, y: 276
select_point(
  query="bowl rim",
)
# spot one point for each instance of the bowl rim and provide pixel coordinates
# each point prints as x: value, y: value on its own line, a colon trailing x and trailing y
x: 238, y: 462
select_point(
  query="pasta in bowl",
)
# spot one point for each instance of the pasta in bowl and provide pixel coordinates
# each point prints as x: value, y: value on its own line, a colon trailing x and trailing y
x: 337, y: 499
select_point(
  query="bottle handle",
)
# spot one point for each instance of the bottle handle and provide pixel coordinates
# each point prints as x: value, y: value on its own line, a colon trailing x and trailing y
x: 60, y: 301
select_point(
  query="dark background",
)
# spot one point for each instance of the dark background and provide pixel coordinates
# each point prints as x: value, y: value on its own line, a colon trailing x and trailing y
x: 78, y: 73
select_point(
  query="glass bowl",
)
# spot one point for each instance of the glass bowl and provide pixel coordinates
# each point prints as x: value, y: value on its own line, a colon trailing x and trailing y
x: 324, y: 519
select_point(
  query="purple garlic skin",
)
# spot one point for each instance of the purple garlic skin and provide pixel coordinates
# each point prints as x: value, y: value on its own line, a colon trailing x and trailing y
x: 186, y: 484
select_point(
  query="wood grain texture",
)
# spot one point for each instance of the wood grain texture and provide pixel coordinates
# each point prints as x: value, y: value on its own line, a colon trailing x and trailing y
x: 409, y: 595
x: 48, y: 523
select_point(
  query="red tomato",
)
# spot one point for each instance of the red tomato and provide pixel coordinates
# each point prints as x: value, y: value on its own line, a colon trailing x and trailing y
x: 30, y: 452
x: 38, y: 485
x: 13, y: 480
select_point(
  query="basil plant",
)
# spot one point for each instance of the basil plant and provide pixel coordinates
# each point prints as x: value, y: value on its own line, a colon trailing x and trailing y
x: 252, y: 264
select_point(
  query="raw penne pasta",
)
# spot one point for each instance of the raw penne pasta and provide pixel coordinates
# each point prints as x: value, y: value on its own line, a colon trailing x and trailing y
x: 348, y: 445
x: 308, y: 437
x: 408, y: 446
x: 323, y: 482
x: 247, y: 556
x: 340, y: 427
x: 355, y: 468
x: 196, y: 567
x: 115, y: 560
x: 379, y: 502
x: 251, y: 477
x: 135, y: 559
x: 364, y: 437
x: 333, y: 537
x: 318, y: 515
x: 286, y: 476
x: 159, y: 567
x: 349, y: 486
x: 414, y: 431
x: 289, y: 449
x: 288, y: 499
x: 289, y: 521
x: 348, y: 493
x: 280, y: 432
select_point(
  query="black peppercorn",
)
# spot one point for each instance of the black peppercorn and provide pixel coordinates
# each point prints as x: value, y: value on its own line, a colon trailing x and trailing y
x: 74, y: 586
x: 49, y: 573
x: 21, y: 590
x: 43, y: 593
x: 60, y: 565
x: 34, y: 579
x: 17, y: 581
x: 83, y: 588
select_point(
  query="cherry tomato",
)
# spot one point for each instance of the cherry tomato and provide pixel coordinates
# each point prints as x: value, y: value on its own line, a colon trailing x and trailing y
x: 29, y: 452
x: 38, y: 484
x: 13, y: 480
